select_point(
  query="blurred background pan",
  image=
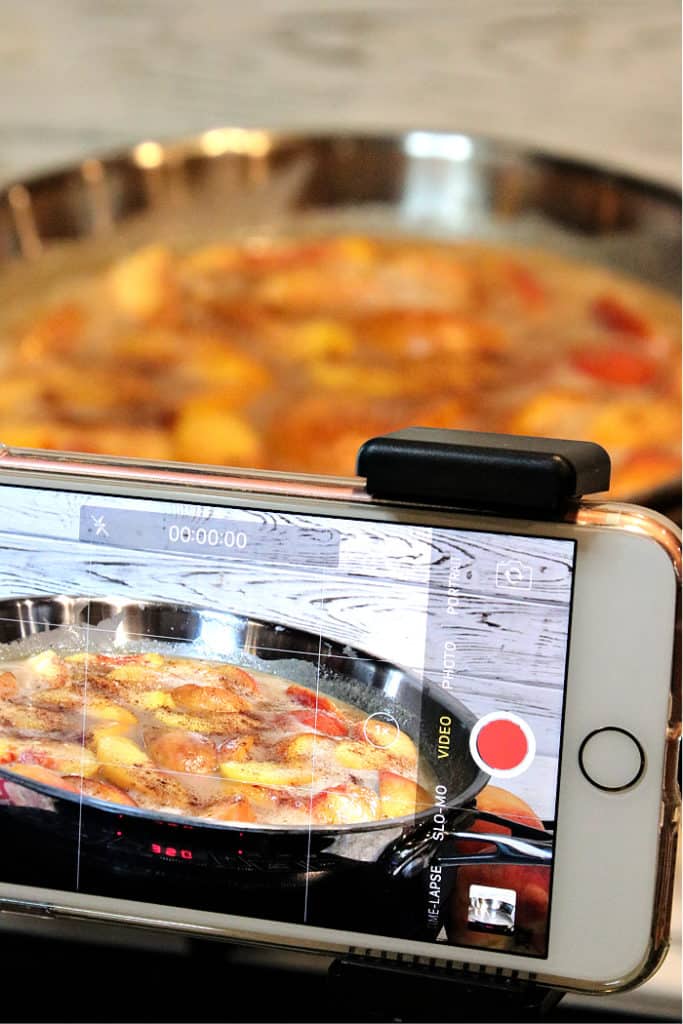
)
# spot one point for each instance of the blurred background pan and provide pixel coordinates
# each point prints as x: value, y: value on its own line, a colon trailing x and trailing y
x: 238, y: 183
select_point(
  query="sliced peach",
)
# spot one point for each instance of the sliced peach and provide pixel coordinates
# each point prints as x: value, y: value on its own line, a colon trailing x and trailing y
x: 387, y: 737
x: 63, y: 697
x: 66, y: 758
x: 266, y: 773
x: 610, y: 312
x: 56, y: 332
x: 320, y: 339
x: 150, y: 658
x: 107, y: 711
x: 183, y: 752
x: 220, y: 725
x: 305, y: 746
x: 640, y: 421
x: 223, y: 436
x: 20, y: 434
x: 237, y: 749
x: 142, y: 285
x: 266, y: 258
x: 151, y: 786
x: 113, y: 749
x: 345, y: 804
x: 99, y: 790
x: 557, y: 412
x: 134, y: 674
x: 645, y: 469
x: 399, y: 796
x: 238, y: 679
x: 49, y: 668
x: 361, y: 756
x: 258, y: 796
x: 8, y: 685
x: 213, y: 258
x: 619, y: 366
x: 375, y: 382
x: 151, y: 700
x: 526, y: 285
x: 309, y: 698
x: 100, y: 731
x: 235, y: 808
x: 8, y: 750
x: 37, y: 773
x: 208, y: 699
x: 321, y: 721
x: 71, y: 759
x: 29, y: 718
x: 237, y: 377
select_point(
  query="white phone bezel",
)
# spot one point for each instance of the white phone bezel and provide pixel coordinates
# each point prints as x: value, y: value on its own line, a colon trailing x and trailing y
x: 615, y: 880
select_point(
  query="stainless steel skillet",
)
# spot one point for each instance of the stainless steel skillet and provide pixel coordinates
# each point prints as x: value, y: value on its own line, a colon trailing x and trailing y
x: 237, y: 182
x: 241, y: 865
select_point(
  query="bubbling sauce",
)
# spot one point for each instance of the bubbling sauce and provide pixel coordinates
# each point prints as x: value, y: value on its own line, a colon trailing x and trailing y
x: 290, y: 354
x: 202, y: 739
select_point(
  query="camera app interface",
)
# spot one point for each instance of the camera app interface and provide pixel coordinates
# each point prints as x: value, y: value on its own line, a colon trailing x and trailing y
x: 332, y: 722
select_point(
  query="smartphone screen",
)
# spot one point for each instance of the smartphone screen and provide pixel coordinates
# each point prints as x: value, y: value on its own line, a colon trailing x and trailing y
x: 340, y: 722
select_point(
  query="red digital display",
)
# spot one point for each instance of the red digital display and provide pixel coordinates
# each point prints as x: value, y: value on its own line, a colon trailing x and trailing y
x: 171, y: 851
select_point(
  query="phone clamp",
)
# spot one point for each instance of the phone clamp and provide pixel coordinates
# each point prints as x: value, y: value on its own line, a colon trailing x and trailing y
x: 417, y: 989
x: 503, y: 474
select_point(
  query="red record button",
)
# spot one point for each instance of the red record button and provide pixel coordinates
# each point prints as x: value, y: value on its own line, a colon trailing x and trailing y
x: 502, y: 744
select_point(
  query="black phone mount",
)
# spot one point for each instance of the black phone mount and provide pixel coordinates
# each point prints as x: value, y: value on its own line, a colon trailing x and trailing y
x: 533, y: 477
x: 497, y: 474
x: 404, y: 988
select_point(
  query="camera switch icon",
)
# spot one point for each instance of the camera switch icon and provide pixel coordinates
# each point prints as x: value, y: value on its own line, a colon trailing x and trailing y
x: 512, y: 574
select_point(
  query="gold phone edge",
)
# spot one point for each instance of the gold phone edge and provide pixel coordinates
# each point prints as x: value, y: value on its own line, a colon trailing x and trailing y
x: 603, y: 514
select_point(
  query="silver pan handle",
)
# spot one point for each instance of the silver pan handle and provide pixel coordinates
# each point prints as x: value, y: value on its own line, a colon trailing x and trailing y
x: 409, y: 855
x: 508, y: 850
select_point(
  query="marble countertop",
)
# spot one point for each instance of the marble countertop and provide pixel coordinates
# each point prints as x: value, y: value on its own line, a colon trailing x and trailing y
x: 598, y: 80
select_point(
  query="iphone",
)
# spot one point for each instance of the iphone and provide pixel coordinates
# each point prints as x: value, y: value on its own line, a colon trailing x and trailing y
x: 273, y: 709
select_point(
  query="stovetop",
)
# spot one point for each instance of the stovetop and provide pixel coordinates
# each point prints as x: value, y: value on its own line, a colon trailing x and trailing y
x: 212, y: 981
x: 145, y: 977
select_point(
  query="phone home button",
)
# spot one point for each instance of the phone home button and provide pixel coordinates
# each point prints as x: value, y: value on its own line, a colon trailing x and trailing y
x: 612, y: 759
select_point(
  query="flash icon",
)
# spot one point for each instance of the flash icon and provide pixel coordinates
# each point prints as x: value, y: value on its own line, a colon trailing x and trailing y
x: 100, y: 526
